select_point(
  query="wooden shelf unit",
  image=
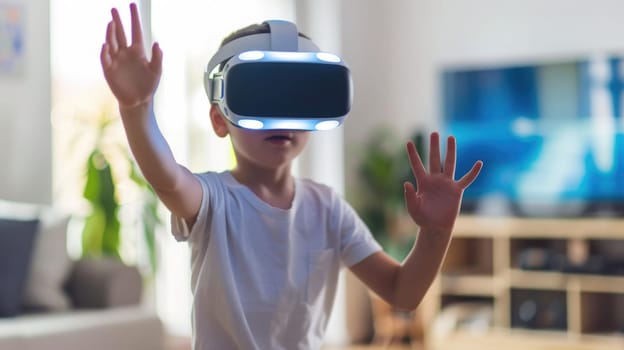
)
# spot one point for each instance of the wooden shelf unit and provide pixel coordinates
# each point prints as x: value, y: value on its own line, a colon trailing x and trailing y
x: 484, y: 264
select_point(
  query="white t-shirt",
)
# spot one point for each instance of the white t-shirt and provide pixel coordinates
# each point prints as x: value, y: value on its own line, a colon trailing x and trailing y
x: 265, y: 277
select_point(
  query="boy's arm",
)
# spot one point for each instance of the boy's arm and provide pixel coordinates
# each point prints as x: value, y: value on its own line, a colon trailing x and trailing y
x: 133, y: 80
x: 174, y: 184
x: 434, y: 208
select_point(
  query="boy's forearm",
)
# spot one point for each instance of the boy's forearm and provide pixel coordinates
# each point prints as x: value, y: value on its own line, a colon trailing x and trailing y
x: 149, y: 147
x: 420, y: 268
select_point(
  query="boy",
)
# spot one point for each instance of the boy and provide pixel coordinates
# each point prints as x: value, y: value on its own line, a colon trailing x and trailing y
x: 266, y: 247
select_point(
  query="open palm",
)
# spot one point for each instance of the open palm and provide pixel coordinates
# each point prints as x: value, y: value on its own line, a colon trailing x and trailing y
x: 435, y: 201
x: 130, y: 76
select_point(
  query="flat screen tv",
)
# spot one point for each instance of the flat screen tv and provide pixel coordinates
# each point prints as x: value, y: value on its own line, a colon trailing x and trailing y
x: 550, y: 133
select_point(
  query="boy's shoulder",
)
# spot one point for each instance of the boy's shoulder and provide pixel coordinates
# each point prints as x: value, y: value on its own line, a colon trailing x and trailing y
x: 224, y: 177
x: 309, y: 183
x: 312, y: 188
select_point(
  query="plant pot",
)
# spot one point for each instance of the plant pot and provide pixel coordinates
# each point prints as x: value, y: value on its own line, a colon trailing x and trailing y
x: 392, y: 325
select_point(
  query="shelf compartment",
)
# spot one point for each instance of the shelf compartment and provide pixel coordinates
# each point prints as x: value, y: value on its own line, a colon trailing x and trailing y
x: 538, y: 254
x: 463, y: 313
x: 473, y: 256
x: 602, y: 313
x: 539, y: 309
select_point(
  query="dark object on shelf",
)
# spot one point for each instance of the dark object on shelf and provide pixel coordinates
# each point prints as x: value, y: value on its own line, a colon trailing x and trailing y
x: 541, y: 259
x: 534, y: 259
x: 615, y: 268
x: 537, y: 309
x: 594, y: 265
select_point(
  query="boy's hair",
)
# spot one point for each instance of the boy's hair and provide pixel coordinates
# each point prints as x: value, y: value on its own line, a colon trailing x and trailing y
x: 256, y: 28
x: 251, y: 30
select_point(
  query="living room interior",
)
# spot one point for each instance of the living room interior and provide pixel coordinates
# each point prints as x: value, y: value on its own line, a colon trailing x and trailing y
x: 533, y: 88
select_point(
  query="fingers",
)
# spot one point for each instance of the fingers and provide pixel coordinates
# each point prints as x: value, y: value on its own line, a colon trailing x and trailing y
x: 120, y: 35
x: 137, y: 33
x: 435, y: 167
x: 156, y: 62
x: 115, y: 35
x: 111, y: 39
x: 415, y: 162
x: 105, y: 57
x: 449, y: 161
x: 470, y: 176
x: 412, y: 201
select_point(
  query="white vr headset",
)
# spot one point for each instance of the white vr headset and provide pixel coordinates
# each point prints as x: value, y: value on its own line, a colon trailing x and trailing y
x: 279, y: 80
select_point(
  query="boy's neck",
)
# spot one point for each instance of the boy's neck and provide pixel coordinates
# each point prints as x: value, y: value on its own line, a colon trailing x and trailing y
x: 276, y: 187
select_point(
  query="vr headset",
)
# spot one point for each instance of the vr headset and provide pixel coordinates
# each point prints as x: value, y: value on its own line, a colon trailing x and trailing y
x: 279, y: 80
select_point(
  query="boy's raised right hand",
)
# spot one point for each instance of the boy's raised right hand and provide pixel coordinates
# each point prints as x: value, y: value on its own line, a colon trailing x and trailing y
x: 131, y: 77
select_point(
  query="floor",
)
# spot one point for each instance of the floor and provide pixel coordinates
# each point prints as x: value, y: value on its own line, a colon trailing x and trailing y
x: 371, y: 347
x: 179, y: 343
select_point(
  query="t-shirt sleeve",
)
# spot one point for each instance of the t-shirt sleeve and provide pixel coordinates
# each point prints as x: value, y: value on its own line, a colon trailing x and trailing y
x: 356, y: 240
x: 180, y: 229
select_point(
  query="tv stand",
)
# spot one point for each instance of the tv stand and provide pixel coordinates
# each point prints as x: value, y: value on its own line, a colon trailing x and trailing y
x: 529, y: 309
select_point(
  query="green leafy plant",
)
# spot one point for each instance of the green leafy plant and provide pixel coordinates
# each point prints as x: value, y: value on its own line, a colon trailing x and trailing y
x: 383, y: 169
x: 150, y: 219
x: 102, y: 231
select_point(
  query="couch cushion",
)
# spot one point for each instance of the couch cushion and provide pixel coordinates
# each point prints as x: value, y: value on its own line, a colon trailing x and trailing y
x: 16, y: 245
x: 50, y: 264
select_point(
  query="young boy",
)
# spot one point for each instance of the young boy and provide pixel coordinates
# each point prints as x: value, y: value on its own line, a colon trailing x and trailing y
x: 266, y: 247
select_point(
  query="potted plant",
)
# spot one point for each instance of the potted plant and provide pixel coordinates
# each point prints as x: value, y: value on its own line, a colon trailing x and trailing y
x: 383, y: 169
x: 101, y: 233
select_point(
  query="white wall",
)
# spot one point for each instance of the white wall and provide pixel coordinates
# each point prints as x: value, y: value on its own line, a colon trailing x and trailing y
x: 25, y: 129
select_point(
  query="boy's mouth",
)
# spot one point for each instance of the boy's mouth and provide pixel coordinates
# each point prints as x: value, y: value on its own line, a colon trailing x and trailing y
x: 279, y: 138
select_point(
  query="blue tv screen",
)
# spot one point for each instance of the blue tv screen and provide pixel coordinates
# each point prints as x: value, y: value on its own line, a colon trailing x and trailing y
x: 550, y: 135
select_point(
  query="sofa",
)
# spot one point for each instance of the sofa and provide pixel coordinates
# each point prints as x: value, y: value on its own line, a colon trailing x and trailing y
x: 49, y: 300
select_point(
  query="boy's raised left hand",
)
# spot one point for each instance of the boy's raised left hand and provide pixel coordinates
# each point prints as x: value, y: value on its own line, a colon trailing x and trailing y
x: 434, y: 203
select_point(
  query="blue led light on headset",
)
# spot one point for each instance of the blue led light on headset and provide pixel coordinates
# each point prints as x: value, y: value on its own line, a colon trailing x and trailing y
x: 279, y: 80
